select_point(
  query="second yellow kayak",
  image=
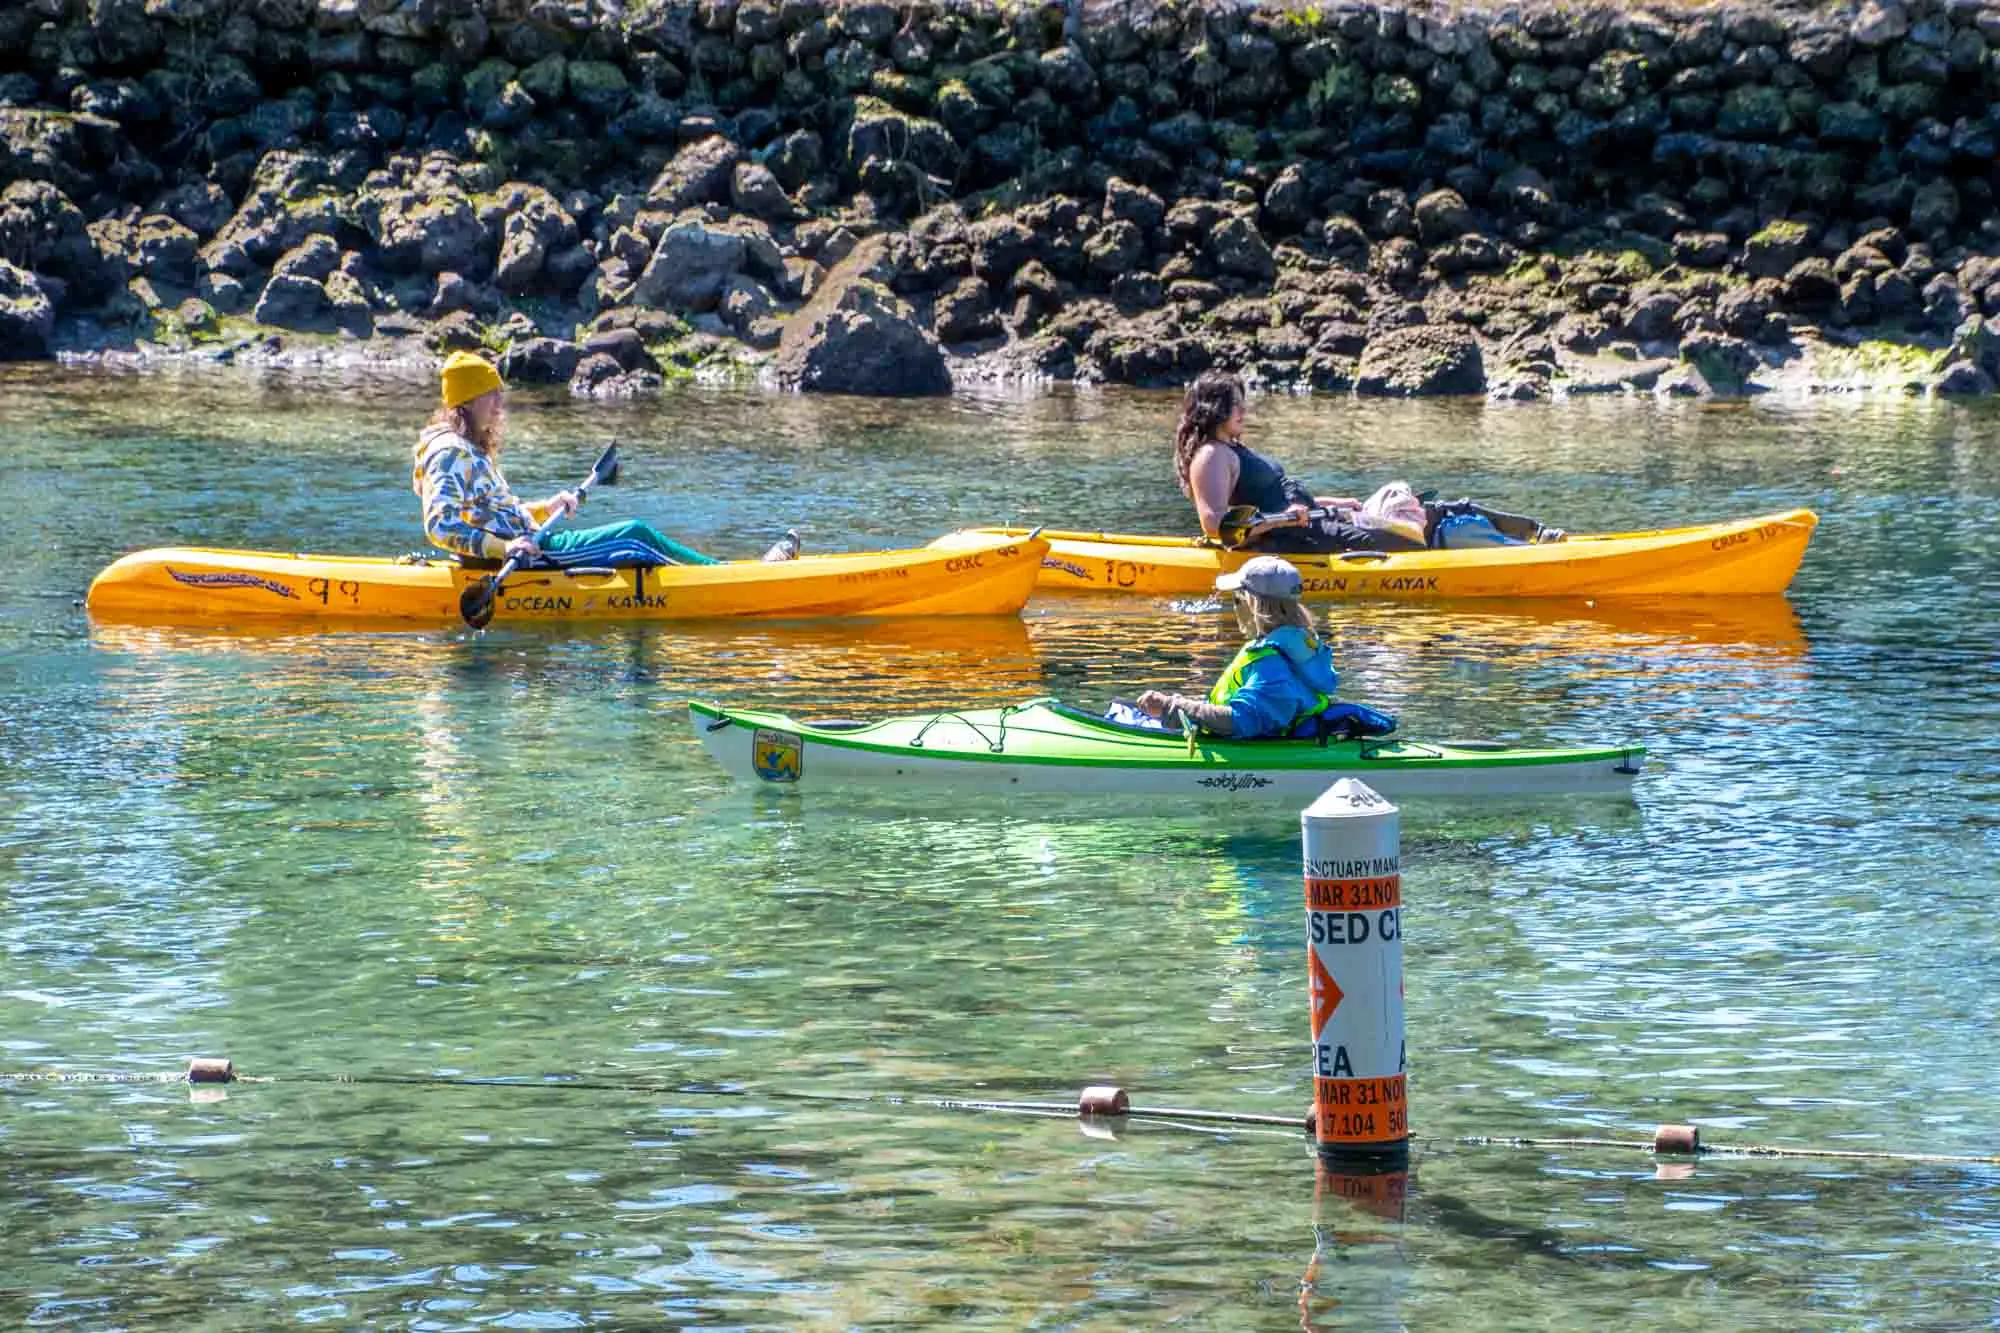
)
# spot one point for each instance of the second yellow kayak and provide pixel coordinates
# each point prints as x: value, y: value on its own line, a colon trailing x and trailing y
x: 983, y: 576
x: 1741, y: 557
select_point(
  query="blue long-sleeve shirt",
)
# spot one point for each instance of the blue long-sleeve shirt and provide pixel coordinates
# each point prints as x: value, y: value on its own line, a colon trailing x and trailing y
x: 1278, y: 687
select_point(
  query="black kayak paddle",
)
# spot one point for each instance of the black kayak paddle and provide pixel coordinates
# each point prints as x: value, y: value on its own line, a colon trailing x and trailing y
x: 476, y: 603
x: 1237, y: 521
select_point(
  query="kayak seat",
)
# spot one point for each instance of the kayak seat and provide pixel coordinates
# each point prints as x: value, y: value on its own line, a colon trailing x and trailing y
x: 1351, y: 722
x: 481, y: 564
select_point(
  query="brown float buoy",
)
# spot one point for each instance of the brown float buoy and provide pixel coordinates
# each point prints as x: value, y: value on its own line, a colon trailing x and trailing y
x: 1103, y: 1099
x: 1683, y: 1139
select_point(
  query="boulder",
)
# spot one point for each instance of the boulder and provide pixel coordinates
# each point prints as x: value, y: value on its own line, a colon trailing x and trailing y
x: 1442, y: 215
x: 879, y: 132
x: 164, y: 250
x: 1934, y: 209
x: 1743, y: 310
x: 1238, y: 248
x: 750, y: 311
x: 690, y: 267
x: 626, y: 346
x: 856, y: 337
x: 1288, y: 203
x: 540, y: 361
x: 347, y: 304
x: 1725, y: 363
x: 1703, y: 249
x: 199, y: 205
x: 1422, y: 359
x: 312, y: 259
x: 294, y: 301
x: 1976, y: 342
x: 224, y: 292
x: 1895, y: 295
x: 1470, y: 253
x: 700, y: 173
x: 430, y: 232
x: 1880, y: 22
x: 41, y: 230
x: 1861, y: 258
x: 1115, y: 248
x: 27, y: 315
x: 754, y: 189
x: 1650, y: 317
x: 536, y: 229
x: 1152, y: 351
x: 1945, y: 306
x: 965, y: 313
x: 1811, y: 282
x: 1963, y: 379
x: 63, y: 149
x: 1775, y: 248
x: 1133, y: 203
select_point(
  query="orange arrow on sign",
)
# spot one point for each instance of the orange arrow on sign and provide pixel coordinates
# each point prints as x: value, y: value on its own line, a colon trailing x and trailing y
x: 1326, y: 996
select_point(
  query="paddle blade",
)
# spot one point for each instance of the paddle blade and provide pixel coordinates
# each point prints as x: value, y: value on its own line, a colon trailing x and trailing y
x: 1236, y: 523
x: 475, y: 604
x: 604, y: 472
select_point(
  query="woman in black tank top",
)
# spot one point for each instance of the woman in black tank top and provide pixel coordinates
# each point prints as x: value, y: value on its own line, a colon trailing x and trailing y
x: 1218, y: 472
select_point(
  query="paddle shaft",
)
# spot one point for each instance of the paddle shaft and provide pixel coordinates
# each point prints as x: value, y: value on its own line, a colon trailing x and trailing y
x: 513, y: 562
x: 1235, y: 526
x: 476, y: 607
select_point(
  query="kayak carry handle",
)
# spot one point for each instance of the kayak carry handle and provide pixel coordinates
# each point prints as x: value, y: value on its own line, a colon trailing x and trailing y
x: 1351, y: 557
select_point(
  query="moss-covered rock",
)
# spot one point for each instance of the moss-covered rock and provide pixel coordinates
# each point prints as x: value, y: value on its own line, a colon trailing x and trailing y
x: 27, y: 315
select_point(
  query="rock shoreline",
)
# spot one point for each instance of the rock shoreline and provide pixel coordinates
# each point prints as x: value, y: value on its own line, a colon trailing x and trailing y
x: 1524, y: 200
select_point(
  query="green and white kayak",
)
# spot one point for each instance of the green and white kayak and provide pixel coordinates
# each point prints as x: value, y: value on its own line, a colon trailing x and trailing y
x: 1045, y: 746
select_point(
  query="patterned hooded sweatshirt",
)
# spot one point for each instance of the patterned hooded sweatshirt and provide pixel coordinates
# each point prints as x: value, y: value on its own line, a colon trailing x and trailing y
x: 468, y: 508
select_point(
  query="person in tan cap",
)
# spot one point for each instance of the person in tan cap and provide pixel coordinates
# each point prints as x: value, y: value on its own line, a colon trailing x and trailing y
x: 1282, y: 679
x: 469, y: 508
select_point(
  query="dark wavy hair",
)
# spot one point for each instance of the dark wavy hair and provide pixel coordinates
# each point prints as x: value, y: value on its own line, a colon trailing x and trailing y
x: 1211, y: 400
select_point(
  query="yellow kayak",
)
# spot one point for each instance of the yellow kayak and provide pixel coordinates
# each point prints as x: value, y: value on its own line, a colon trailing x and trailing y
x: 1742, y: 557
x: 180, y: 585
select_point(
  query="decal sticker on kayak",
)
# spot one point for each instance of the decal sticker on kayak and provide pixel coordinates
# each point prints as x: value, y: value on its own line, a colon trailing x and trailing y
x: 1235, y: 781
x: 1069, y: 567
x: 218, y: 580
x: 776, y: 756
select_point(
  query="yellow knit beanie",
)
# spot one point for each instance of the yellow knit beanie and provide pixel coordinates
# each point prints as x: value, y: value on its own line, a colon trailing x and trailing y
x: 466, y: 376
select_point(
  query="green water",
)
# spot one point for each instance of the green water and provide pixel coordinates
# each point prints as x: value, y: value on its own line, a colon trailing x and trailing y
x: 426, y: 861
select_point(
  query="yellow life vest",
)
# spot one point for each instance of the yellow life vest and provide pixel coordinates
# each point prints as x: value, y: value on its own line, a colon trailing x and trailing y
x: 1230, y: 682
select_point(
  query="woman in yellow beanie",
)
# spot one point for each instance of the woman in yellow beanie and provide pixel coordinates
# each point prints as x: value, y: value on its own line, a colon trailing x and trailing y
x: 469, y: 508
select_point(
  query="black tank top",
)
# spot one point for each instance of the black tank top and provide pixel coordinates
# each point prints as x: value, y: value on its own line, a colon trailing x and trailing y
x: 1262, y: 483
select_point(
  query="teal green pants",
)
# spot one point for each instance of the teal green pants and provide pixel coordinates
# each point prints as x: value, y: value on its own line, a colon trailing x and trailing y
x: 629, y: 543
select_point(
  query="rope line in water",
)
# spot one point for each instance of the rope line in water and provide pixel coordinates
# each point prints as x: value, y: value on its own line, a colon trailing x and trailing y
x: 222, y: 1071
x: 1742, y: 1150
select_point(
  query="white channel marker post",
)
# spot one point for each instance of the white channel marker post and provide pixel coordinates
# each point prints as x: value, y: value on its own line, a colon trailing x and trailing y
x: 1354, y: 951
